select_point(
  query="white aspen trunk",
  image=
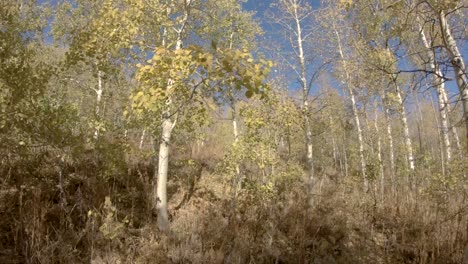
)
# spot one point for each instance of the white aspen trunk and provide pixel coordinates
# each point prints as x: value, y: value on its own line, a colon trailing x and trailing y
x: 305, y: 95
x: 439, y: 137
x: 406, y: 134
x: 355, y: 114
x: 444, y: 125
x: 160, y: 192
x: 360, y: 139
x: 390, y: 140
x: 439, y: 85
x: 379, y: 154
x: 458, y: 64
x: 234, y: 128
x: 419, y: 122
x: 142, y: 139
x: 454, y: 131
x: 345, y: 156
x: 366, y: 134
x: 408, y: 145
x: 335, y: 155
x: 163, y: 166
x: 235, y: 131
x: 99, y: 92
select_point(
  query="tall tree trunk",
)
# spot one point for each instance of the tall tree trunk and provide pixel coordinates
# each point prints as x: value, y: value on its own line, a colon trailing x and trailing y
x: 160, y: 193
x: 406, y: 134
x: 454, y: 131
x: 168, y: 124
x: 391, y: 150
x: 419, y: 122
x: 355, y: 114
x: 458, y: 64
x: 99, y: 91
x: 235, y: 131
x: 404, y: 120
x: 335, y: 154
x: 360, y: 139
x: 235, y: 128
x: 439, y: 137
x: 305, y: 95
x: 439, y: 85
x: 345, y: 157
x: 379, y: 154
x: 142, y: 139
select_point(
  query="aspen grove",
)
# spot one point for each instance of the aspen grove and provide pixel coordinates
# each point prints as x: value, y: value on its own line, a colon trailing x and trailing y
x: 233, y: 131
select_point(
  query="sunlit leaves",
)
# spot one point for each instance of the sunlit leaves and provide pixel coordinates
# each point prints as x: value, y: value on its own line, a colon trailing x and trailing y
x: 176, y: 74
x: 105, y: 30
x: 243, y: 71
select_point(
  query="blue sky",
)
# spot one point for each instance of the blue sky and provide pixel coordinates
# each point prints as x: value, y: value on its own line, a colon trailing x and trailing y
x: 259, y: 6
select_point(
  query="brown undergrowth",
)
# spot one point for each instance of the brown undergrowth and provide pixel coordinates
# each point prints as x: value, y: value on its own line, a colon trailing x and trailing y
x: 91, y: 217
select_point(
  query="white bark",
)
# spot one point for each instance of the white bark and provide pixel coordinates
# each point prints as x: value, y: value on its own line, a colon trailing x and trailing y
x: 345, y: 156
x: 439, y: 85
x: 305, y: 98
x: 458, y: 64
x: 419, y: 122
x: 355, y: 114
x: 168, y: 124
x: 454, y: 131
x: 142, y: 139
x: 390, y: 139
x: 335, y: 154
x: 99, y: 92
x: 379, y: 154
x: 235, y: 131
x: 439, y: 137
x: 295, y: 5
x: 406, y: 134
x: 234, y: 128
x: 163, y: 165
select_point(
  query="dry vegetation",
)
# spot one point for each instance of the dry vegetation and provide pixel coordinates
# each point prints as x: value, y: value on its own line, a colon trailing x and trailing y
x: 347, y: 146
x: 107, y: 218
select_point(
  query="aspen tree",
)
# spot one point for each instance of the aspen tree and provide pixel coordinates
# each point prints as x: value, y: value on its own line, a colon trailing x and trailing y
x: 171, y: 82
x: 441, y: 11
x: 292, y: 16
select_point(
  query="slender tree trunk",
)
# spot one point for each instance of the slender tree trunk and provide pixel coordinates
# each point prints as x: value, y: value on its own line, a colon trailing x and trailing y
x: 99, y: 92
x: 305, y: 95
x: 439, y: 85
x: 142, y: 139
x: 404, y: 121
x: 335, y: 155
x: 419, y: 123
x: 234, y: 126
x: 360, y: 139
x: 168, y: 124
x: 454, y: 131
x: 379, y: 154
x: 345, y: 157
x: 458, y: 64
x: 439, y: 137
x: 355, y: 114
x: 235, y: 131
x: 391, y: 150
x: 406, y: 134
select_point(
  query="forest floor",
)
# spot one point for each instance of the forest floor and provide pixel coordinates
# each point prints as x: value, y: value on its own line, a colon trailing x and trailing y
x: 92, y: 222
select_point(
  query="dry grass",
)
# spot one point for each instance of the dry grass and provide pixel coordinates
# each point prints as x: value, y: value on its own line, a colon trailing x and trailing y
x: 40, y: 224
